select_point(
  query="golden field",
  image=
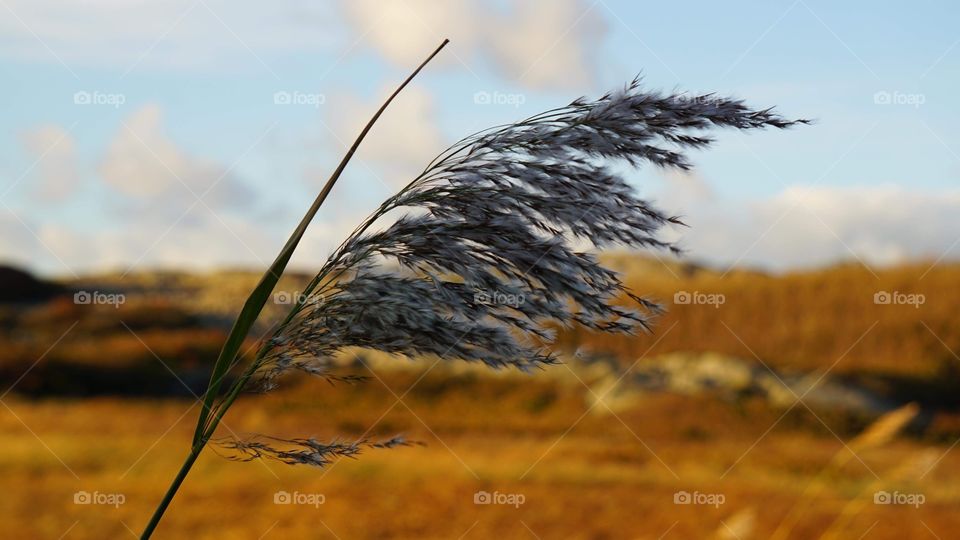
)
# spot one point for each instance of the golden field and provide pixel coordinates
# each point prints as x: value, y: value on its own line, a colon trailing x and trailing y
x: 100, y: 414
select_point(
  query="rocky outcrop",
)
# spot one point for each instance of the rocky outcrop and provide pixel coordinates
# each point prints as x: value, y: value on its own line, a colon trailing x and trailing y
x: 729, y: 377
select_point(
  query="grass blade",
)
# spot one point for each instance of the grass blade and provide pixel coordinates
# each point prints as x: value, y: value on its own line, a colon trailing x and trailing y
x: 252, y: 308
x: 258, y: 298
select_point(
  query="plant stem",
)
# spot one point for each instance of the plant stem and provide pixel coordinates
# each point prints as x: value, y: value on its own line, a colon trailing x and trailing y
x: 205, y: 430
x: 171, y: 491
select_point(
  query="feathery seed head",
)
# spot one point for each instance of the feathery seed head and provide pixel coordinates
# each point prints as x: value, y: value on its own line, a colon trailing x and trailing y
x: 498, y: 215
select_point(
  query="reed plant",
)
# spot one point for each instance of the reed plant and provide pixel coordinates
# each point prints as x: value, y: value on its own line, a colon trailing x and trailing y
x: 486, y: 255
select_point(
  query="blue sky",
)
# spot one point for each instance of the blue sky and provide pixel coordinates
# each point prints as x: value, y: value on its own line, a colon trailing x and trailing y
x: 183, y: 156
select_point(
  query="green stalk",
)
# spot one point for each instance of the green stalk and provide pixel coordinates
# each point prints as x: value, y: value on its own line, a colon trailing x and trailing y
x: 248, y: 315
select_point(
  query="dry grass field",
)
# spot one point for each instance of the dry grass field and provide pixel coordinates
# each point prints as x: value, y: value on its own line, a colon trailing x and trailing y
x: 99, y: 418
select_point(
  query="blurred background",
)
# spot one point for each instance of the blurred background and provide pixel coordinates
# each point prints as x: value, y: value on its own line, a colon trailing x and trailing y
x: 155, y: 155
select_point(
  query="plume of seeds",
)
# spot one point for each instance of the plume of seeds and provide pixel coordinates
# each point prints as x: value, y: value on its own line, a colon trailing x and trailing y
x: 483, y: 257
x: 300, y: 451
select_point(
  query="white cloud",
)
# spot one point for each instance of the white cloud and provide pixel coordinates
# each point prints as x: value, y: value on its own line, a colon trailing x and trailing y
x: 212, y: 242
x: 799, y: 227
x: 17, y: 245
x: 405, y: 31
x: 537, y: 43
x: 140, y: 160
x: 202, y: 243
x: 156, y: 219
x: 402, y: 141
x: 53, y: 150
x: 681, y: 187
x: 175, y: 33
x: 144, y: 164
x: 804, y: 226
x: 547, y: 43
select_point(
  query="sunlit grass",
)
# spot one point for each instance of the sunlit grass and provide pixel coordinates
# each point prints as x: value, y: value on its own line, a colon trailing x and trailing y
x: 597, y: 480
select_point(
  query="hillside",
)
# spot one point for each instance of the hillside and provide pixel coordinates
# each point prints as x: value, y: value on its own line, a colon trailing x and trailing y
x: 802, y: 320
x: 706, y: 403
